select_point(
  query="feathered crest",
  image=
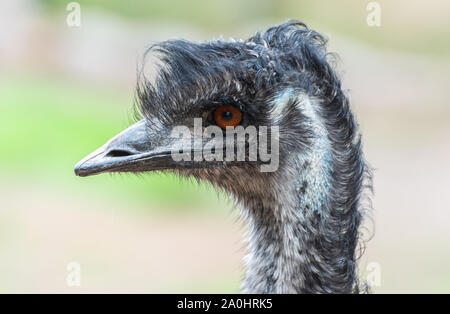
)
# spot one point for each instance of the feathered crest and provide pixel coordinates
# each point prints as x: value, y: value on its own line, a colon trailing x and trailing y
x: 251, y: 71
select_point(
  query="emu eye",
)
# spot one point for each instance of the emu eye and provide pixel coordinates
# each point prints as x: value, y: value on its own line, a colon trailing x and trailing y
x: 227, y: 116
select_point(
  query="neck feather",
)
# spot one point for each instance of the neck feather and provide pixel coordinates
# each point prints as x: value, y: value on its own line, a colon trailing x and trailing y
x: 303, y: 233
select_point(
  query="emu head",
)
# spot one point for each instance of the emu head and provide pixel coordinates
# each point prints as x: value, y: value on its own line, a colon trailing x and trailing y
x: 303, y: 202
x: 268, y: 80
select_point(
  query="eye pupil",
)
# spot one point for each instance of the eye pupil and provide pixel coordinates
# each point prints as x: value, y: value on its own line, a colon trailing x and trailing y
x: 227, y: 115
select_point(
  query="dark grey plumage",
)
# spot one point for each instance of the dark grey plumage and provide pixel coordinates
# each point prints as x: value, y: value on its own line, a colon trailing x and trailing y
x: 303, y: 219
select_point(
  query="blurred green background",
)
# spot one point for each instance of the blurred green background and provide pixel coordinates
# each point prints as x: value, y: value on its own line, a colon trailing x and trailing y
x: 65, y: 90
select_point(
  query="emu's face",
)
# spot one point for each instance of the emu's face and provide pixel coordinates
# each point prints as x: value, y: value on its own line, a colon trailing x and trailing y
x: 203, y: 132
x: 224, y: 87
x: 200, y: 139
x: 198, y: 101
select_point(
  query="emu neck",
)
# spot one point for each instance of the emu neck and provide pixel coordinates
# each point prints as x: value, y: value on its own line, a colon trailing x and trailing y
x: 299, y: 240
x: 294, y: 244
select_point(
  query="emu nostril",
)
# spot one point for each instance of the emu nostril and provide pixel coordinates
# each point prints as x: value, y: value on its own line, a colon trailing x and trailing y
x: 118, y: 153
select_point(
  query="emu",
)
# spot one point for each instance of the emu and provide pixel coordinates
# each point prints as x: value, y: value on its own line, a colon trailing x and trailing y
x: 303, y: 218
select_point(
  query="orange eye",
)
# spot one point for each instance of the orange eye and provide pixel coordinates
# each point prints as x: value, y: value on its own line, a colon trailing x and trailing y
x: 227, y: 116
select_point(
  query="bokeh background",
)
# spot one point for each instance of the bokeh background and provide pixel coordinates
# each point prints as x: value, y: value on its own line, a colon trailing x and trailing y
x: 65, y: 90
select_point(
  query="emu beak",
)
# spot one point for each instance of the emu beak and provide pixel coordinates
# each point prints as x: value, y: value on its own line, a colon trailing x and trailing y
x: 130, y: 151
